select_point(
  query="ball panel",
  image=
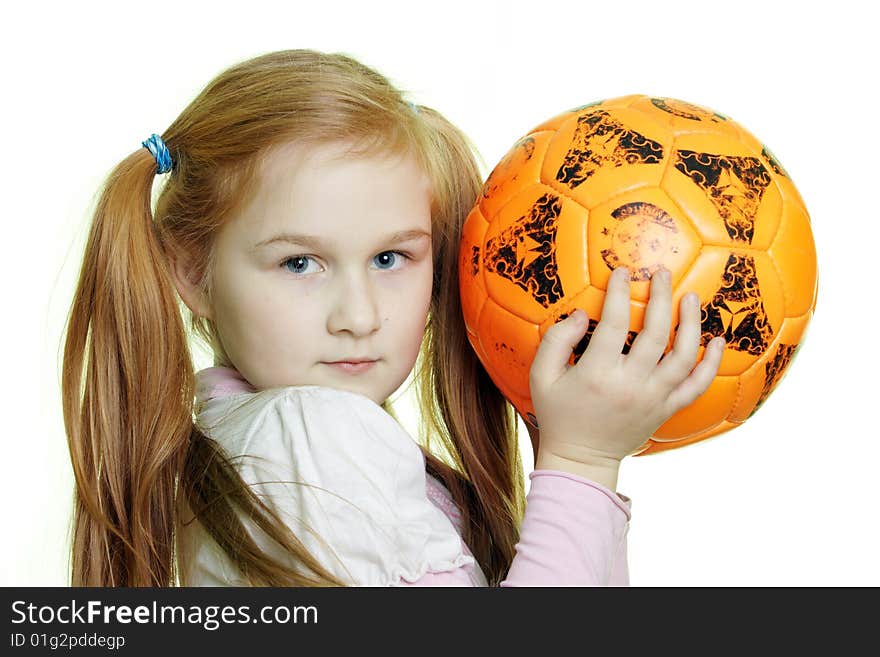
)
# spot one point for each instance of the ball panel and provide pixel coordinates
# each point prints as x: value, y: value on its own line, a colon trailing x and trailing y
x: 794, y: 253
x: 619, y: 101
x: 522, y: 251
x: 520, y: 168
x: 708, y: 410
x: 714, y: 176
x: 470, y: 268
x: 654, y: 447
x: 572, y: 247
x: 553, y: 124
x: 754, y: 144
x: 601, y: 153
x: 766, y: 374
x: 758, y: 146
x: 773, y: 164
x: 681, y: 117
x: 740, y: 299
x: 589, y: 299
x: 695, y: 206
x: 768, y: 218
x: 815, y: 293
x: 750, y: 306
x: 522, y: 403
x: 790, y: 193
x: 643, y: 230
x: 509, y: 344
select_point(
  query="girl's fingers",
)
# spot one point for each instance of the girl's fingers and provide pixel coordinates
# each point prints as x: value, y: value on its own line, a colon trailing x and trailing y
x: 653, y: 338
x: 699, y: 380
x: 606, y: 344
x: 679, y: 362
x: 554, y: 350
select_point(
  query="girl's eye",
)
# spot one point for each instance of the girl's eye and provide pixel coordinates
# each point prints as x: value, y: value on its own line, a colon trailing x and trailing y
x: 298, y: 264
x: 385, y: 258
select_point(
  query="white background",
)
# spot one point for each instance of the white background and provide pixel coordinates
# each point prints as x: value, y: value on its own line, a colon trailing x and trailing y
x: 789, y: 498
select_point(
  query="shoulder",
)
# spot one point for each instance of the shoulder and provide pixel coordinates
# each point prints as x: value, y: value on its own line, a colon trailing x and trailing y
x: 345, y: 476
x: 323, y: 436
x: 253, y: 421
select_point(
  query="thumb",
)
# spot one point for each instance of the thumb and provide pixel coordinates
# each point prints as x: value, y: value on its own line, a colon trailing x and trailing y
x: 554, y: 352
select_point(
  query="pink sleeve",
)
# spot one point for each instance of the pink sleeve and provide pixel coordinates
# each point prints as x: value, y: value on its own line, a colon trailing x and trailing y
x: 573, y: 534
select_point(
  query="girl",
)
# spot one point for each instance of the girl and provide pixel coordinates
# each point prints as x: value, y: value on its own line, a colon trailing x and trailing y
x: 312, y: 219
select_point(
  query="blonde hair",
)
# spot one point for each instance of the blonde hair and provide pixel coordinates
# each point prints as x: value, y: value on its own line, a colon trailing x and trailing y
x: 128, y: 376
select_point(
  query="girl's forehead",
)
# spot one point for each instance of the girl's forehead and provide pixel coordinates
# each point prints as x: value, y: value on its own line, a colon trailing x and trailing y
x: 309, y: 177
x: 325, y: 192
x: 300, y: 156
x: 332, y: 174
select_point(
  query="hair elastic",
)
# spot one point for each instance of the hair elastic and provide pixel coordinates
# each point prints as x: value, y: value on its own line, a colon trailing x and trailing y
x: 160, y: 151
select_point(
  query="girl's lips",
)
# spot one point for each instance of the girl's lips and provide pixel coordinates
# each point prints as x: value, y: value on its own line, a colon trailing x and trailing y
x: 353, y: 368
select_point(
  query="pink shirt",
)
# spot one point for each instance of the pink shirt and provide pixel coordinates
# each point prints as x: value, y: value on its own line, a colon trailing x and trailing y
x: 573, y: 532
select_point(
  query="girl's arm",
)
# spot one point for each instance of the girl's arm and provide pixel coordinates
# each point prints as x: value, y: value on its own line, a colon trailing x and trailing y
x: 573, y: 534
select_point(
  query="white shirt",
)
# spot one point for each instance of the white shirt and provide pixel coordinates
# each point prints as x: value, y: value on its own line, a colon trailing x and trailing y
x: 334, y: 466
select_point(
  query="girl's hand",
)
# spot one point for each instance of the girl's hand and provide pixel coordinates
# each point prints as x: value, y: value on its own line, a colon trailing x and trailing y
x: 607, y: 405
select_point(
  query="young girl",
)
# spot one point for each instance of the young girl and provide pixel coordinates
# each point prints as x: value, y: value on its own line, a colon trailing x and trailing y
x: 311, y: 218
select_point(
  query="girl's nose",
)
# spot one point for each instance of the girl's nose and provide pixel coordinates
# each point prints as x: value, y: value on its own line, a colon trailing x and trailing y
x: 355, y: 308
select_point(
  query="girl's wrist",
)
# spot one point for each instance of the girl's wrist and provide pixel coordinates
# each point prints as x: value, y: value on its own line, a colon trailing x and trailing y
x: 602, y: 470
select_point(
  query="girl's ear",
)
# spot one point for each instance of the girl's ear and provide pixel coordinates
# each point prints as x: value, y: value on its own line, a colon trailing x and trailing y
x: 187, y: 288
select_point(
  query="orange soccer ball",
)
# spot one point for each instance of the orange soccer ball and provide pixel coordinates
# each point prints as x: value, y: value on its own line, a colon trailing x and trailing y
x: 643, y: 182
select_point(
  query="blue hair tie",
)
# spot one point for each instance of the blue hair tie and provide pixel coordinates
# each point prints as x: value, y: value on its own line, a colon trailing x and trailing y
x: 160, y: 151
x: 415, y: 108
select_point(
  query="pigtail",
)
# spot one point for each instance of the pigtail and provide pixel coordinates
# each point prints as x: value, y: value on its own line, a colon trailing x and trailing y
x: 128, y: 388
x: 127, y: 384
x: 464, y: 410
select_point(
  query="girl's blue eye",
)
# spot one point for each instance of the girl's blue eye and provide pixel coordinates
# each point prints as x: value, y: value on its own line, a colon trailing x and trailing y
x: 300, y: 261
x: 295, y: 259
x: 389, y: 253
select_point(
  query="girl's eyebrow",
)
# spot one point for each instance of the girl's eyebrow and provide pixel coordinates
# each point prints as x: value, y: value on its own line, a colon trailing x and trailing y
x: 315, y: 242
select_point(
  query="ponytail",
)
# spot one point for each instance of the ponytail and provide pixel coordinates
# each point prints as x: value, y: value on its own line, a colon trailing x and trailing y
x: 127, y: 386
x: 128, y: 390
x: 461, y: 406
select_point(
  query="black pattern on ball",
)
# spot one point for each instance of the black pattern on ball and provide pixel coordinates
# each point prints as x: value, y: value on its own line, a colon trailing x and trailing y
x: 686, y: 110
x: 525, y: 252
x: 736, y: 311
x: 774, y: 370
x: 735, y: 186
x: 601, y: 141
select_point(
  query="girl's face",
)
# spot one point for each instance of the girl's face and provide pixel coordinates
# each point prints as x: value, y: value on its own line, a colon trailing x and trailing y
x: 330, y: 261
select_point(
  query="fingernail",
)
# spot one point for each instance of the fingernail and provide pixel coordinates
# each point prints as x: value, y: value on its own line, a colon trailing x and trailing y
x: 622, y: 272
